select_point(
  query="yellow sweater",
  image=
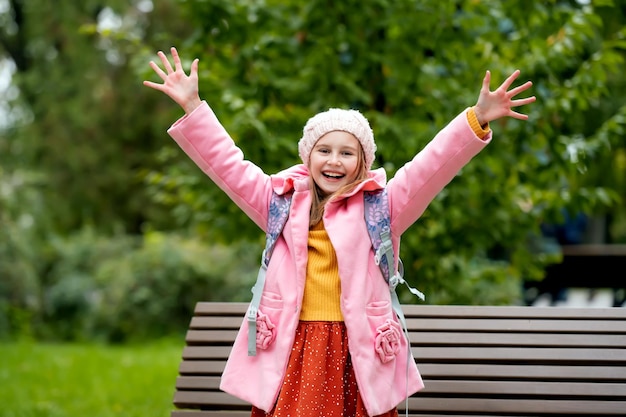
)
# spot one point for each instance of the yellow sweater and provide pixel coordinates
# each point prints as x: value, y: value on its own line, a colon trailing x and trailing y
x: 322, y: 290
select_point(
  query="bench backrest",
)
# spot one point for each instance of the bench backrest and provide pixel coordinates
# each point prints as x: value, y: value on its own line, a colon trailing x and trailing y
x: 475, y: 360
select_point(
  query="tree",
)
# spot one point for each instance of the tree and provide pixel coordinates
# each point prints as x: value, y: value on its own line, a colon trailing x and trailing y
x: 410, y: 67
x: 88, y: 153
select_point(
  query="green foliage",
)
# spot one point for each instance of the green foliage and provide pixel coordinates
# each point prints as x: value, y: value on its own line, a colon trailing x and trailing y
x: 98, y: 206
x: 23, y: 219
x: 410, y: 67
x: 153, y: 290
x: 120, y: 288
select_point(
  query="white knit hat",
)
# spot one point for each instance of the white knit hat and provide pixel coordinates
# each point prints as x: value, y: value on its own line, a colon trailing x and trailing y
x: 351, y: 121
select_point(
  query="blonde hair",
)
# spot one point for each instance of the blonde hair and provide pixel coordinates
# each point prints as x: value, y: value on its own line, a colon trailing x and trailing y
x: 319, y: 200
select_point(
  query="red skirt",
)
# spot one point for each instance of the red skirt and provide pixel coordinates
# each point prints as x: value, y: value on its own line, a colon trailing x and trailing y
x: 320, y: 379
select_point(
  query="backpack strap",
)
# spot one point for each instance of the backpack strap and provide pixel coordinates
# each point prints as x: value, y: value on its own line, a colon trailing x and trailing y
x: 378, y: 222
x: 278, y: 213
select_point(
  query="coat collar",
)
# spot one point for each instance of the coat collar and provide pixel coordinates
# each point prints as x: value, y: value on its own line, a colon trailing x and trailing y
x: 297, y: 178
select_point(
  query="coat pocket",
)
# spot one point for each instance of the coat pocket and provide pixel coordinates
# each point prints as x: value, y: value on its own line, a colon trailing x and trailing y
x: 387, y: 332
x: 267, y: 318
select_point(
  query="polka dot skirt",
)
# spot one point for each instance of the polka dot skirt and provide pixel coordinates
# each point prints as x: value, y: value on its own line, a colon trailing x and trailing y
x: 320, y: 379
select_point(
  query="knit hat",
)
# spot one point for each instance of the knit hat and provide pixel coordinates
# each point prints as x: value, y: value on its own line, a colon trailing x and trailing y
x: 351, y: 121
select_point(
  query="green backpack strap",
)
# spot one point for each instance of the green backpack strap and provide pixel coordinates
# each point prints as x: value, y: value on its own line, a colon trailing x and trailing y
x: 278, y: 214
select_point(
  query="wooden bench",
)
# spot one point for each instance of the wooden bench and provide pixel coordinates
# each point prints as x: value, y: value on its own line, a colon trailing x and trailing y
x: 475, y: 361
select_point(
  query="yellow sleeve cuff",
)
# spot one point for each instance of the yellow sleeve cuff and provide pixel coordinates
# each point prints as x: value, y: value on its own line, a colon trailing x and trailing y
x: 480, y: 131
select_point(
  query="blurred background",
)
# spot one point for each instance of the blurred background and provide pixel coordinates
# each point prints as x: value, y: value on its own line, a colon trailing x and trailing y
x: 109, y: 234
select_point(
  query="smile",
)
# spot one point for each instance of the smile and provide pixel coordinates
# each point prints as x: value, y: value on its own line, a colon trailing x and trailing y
x: 333, y: 175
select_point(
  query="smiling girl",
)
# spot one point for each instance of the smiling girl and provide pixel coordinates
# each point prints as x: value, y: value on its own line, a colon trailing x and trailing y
x: 325, y: 307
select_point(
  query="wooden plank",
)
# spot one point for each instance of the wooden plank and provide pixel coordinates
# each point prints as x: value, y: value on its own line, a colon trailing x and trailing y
x: 447, y: 338
x: 516, y: 325
x: 217, y: 400
x: 201, y: 367
x: 540, y: 389
x: 237, y: 310
x: 465, y: 353
x: 515, y: 354
x: 198, y: 382
x: 216, y: 322
x: 213, y: 336
x: 220, y: 308
x: 206, y: 352
x: 516, y: 339
x: 468, y: 371
x: 530, y: 372
x: 569, y: 406
x: 522, y: 312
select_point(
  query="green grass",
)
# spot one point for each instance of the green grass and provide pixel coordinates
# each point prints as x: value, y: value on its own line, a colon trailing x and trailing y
x: 83, y: 380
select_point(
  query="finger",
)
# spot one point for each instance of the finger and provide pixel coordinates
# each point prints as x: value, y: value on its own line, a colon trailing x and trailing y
x: 166, y: 62
x: 515, y: 91
x: 509, y: 80
x: 194, y: 67
x: 518, y: 116
x: 176, y: 58
x: 158, y: 70
x: 522, y: 101
x: 487, y: 80
x: 153, y: 85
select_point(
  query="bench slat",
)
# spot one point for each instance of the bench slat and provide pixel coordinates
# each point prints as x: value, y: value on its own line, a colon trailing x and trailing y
x: 461, y: 354
x: 518, y: 325
x: 469, y: 371
x: 199, y: 337
x: 225, y: 309
x: 209, y: 400
x: 538, y: 388
x: 514, y: 406
x: 515, y: 354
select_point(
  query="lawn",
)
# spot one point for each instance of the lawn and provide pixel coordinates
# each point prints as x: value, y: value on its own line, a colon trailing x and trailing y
x: 88, y: 380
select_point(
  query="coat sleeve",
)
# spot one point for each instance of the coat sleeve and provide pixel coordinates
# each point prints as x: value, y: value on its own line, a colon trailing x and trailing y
x: 418, y: 182
x: 203, y: 138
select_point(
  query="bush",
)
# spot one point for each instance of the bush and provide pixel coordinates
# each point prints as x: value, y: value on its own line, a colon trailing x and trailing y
x: 152, y: 291
x: 117, y: 288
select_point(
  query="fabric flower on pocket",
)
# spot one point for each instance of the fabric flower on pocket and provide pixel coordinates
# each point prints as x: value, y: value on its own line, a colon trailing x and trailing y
x: 264, y: 331
x: 388, y: 338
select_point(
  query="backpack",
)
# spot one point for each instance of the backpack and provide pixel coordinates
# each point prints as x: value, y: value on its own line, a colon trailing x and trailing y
x: 376, y: 209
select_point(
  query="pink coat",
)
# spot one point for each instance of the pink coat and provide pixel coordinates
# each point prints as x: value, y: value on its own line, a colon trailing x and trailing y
x: 365, y: 297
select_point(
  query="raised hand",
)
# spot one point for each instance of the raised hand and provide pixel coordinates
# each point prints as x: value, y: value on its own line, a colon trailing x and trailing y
x: 179, y: 86
x: 493, y: 105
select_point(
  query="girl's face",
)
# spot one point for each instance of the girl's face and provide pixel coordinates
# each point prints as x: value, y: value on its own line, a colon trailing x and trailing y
x: 334, y: 161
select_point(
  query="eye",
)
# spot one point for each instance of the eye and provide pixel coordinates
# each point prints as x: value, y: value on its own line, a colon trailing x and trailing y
x: 347, y: 153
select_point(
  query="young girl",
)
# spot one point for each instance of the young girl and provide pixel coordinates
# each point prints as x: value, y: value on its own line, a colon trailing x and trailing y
x: 331, y: 345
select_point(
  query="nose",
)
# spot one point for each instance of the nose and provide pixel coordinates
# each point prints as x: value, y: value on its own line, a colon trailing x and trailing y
x: 333, y: 159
